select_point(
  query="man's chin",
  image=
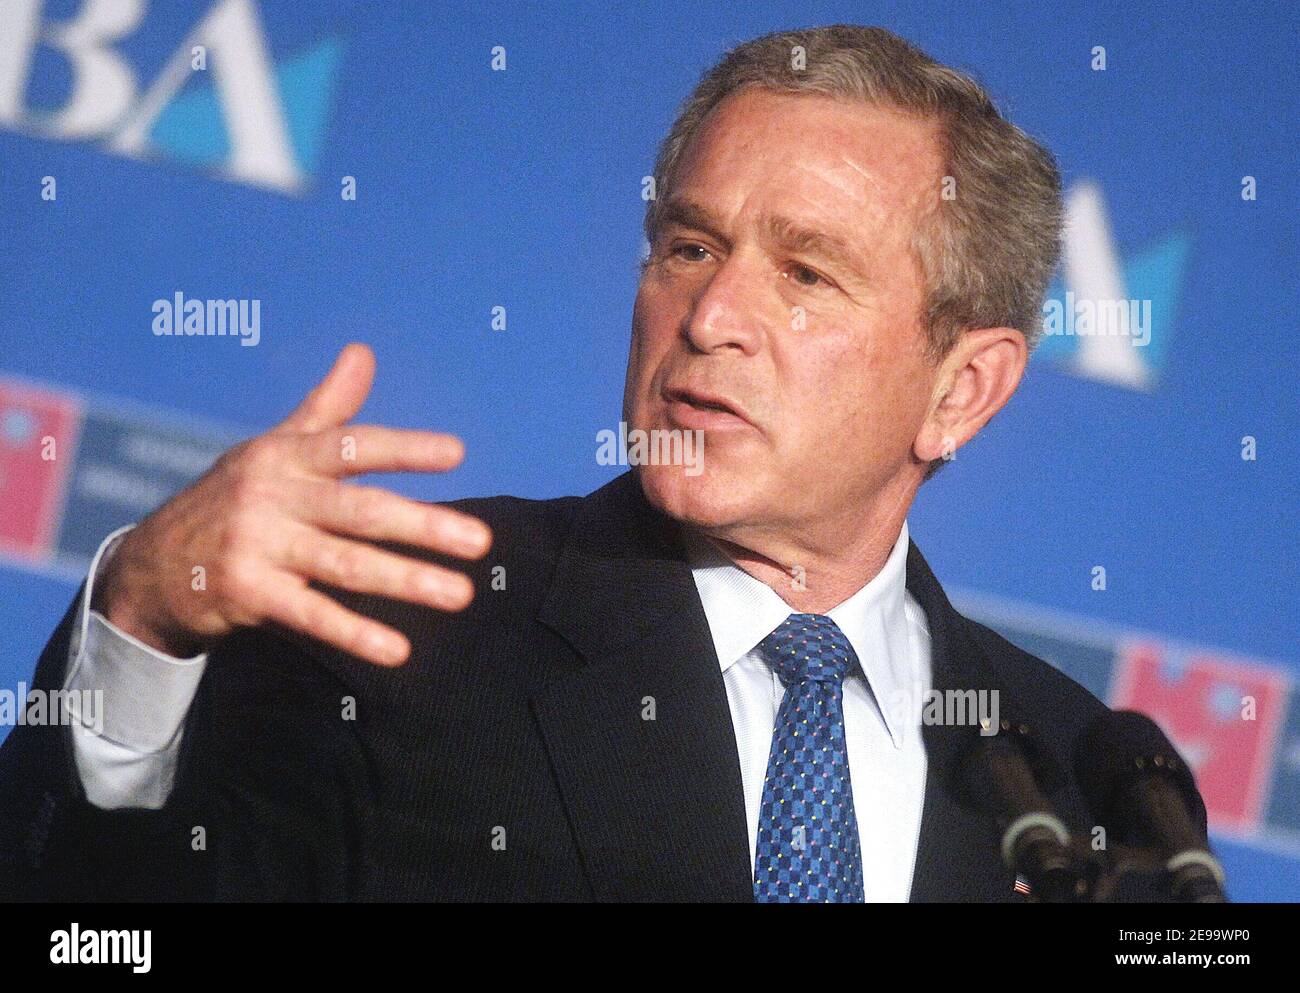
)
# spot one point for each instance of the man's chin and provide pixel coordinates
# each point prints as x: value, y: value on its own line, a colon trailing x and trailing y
x: 709, y: 499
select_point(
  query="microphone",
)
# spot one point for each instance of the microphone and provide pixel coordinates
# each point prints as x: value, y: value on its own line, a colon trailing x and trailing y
x: 1136, y: 782
x: 1001, y: 774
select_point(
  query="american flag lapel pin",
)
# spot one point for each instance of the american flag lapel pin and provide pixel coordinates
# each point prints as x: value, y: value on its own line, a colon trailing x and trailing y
x: 1022, y: 886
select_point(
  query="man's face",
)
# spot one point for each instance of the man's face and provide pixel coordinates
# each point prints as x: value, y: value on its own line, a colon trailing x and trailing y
x: 783, y: 286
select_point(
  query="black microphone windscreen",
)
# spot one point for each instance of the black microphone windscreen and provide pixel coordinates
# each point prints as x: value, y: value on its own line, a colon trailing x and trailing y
x: 1122, y: 748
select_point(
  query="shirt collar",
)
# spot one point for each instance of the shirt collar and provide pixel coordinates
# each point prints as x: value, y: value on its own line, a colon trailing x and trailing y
x: 742, y: 611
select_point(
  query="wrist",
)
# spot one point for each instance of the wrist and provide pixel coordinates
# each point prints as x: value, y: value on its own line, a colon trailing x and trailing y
x: 113, y: 600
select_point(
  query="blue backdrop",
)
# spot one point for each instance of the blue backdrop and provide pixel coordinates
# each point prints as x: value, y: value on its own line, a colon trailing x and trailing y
x: 497, y: 153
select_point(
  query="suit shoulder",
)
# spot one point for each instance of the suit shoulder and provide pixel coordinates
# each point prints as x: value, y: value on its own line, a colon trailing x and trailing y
x: 1035, y: 681
x: 521, y: 524
x: 528, y: 537
x: 504, y: 507
x: 526, y: 533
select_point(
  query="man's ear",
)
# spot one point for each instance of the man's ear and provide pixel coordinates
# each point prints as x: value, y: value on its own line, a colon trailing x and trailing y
x: 975, y: 380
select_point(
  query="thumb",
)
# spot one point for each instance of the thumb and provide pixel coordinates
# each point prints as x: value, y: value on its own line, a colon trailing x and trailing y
x: 339, y: 396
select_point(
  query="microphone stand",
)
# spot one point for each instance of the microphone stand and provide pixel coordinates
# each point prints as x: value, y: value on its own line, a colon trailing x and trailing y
x: 1081, y: 874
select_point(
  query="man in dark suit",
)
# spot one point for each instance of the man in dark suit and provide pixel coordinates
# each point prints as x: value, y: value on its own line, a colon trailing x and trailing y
x: 708, y: 680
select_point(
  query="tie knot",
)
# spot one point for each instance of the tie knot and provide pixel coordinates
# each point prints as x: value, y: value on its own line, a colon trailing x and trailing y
x: 808, y: 647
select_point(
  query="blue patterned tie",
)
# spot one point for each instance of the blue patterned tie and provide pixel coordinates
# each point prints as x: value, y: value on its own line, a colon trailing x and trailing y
x: 808, y: 849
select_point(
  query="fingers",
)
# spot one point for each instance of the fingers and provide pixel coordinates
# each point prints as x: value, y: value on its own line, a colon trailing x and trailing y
x: 339, y: 396
x: 362, y: 448
x: 362, y: 568
x: 377, y: 515
x: 290, y: 602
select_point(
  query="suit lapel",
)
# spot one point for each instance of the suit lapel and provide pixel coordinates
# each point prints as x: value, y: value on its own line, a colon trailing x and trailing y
x: 639, y: 733
x: 958, y: 856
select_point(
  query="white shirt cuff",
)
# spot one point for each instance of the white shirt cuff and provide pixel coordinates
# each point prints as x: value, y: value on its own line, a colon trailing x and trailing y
x: 126, y: 753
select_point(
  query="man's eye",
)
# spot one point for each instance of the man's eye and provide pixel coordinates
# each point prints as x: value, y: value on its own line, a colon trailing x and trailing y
x: 806, y: 277
x: 690, y: 248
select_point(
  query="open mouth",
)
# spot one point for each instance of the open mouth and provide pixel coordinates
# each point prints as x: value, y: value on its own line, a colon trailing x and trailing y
x: 694, y: 409
x: 706, y: 405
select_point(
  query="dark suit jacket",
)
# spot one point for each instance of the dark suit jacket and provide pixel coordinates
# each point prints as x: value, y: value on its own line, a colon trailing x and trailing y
x: 508, y: 759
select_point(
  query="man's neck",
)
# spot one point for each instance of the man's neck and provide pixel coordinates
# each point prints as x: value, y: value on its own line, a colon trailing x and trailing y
x: 815, y: 572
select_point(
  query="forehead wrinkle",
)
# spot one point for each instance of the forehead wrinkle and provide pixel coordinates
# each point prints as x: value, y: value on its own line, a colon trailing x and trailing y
x: 871, y: 180
x: 854, y: 166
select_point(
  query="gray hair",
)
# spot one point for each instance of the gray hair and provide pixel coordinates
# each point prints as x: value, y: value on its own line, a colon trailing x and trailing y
x: 987, y: 253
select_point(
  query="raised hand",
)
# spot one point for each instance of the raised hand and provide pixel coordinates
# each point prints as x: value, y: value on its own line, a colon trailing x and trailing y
x: 275, y: 513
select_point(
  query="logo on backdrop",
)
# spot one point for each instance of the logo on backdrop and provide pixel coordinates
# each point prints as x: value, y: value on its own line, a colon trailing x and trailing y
x: 1110, y: 318
x: 1235, y: 720
x: 220, y: 102
x: 1227, y: 716
x: 74, y: 469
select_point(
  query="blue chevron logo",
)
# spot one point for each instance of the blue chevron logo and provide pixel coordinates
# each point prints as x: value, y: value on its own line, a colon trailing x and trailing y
x: 192, y: 128
x: 1110, y: 318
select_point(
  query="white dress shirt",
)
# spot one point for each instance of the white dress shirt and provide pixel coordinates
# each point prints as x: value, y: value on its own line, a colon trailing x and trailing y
x: 132, y: 761
x: 889, y: 633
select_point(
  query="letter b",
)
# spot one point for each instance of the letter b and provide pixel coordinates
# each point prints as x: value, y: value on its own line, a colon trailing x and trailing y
x: 103, y: 86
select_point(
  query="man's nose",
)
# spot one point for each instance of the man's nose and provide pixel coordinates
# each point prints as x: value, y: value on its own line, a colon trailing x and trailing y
x: 726, y: 313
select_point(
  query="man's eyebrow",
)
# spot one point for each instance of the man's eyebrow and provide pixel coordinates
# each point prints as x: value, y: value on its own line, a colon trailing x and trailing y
x: 689, y: 214
x: 785, y: 232
x: 798, y: 238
